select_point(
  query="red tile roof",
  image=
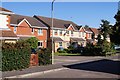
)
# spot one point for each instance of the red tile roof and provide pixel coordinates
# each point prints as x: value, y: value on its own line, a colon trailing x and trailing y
x: 7, y: 33
x: 16, y: 19
x: 95, y: 31
x: 58, y: 23
x: 3, y: 9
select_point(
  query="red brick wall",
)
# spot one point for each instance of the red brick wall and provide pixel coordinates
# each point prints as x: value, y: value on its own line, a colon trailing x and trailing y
x: 42, y: 37
x: 24, y: 29
x: 8, y: 21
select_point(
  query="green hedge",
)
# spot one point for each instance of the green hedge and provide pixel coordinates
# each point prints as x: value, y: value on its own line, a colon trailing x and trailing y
x: 104, y: 49
x: 44, y: 56
x: 15, y: 56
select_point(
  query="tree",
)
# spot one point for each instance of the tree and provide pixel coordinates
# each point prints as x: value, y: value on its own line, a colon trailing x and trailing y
x: 86, y: 26
x: 99, y: 40
x: 105, y: 29
x: 115, y: 36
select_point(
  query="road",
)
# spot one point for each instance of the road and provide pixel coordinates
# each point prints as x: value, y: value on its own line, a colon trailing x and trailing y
x: 104, y: 68
x: 81, y: 68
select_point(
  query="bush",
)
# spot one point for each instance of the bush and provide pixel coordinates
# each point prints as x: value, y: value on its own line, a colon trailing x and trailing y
x: 44, y: 56
x: 104, y: 49
x: 15, y: 56
x: 33, y: 42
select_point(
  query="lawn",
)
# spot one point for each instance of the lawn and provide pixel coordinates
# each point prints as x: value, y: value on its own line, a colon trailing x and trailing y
x: 67, y: 54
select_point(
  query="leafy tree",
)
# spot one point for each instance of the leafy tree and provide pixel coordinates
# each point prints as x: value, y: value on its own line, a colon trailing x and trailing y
x: 99, y: 40
x: 86, y: 26
x: 115, y: 36
x: 105, y: 29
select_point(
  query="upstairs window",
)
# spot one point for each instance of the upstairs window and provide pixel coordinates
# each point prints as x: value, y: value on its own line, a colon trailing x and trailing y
x: 60, y: 32
x: 83, y: 35
x: 71, y: 33
x: 32, y: 30
x: 80, y: 34
x: 55, y: 32
x: 15, y: 29
x: 67, y: 32
x: 40, y: 32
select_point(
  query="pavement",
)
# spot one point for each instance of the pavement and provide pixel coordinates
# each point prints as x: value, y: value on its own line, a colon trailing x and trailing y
x: 60, y: 62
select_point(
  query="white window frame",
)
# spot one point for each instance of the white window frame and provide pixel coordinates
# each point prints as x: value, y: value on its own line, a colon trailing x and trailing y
x: 60, y: 32
x: 40, y: 31
x: 41, y: 44
x: 67, y: 32
x: 55, y: 31
x: 15, y: 29
x: 72, y: 33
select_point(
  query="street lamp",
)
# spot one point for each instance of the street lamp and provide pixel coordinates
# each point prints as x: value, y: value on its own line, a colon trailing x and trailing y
x: 52, y: 32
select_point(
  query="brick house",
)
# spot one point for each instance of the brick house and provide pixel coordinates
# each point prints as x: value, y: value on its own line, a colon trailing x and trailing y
x: 64, y: 32
x: 4, y: 18
x: 88, y: 35
x: 6, y: 35
x: 82, y: 35
x: 25, y: 27
x: 95, y: 34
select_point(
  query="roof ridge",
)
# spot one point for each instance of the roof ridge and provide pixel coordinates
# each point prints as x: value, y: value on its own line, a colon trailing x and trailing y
x: 54, y: 18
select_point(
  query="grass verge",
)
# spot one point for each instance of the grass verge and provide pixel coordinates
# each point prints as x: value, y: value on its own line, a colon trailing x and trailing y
x: 67, y: 54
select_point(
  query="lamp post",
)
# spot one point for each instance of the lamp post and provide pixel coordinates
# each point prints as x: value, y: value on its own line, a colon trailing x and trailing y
x: 52, y: 32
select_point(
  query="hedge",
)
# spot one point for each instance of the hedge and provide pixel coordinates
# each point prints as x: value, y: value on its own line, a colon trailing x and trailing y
x: 44, y: 56
x: 15, y: 56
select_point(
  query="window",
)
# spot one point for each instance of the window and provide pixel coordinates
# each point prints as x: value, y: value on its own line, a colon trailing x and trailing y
x: 71, y: 33
x: 60, y: 32
x: 15, y: 29
x: 55, y: 31
x: 68, y: 44
x: 40, y: 32
x: 40, y: 43
x: 60, y: 43
x: 32, y: 30
x: 83, y: 34
x: 67, y: 32
x: 80, y: 34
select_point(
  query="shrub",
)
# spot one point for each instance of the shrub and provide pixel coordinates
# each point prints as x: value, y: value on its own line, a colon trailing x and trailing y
x: 44, y: 56
x: 15, y: 56
x: 33, y: 42
x: 103, y: 49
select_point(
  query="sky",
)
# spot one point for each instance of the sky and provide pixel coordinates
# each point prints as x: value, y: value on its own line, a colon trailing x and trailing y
x: 81, y: 13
